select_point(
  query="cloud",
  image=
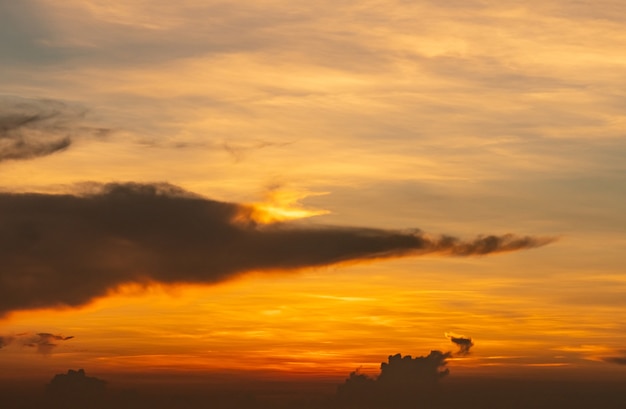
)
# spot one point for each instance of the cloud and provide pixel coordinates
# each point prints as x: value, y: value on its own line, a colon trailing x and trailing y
x: 5, y: 340
x: 464, y: 343
x: 238, y: 151
x: 65, y: 250
x: 135, y: 34
x: 44, y: 342
x: 403, y: 382
x: 619, y: 360
x: 77, y: 390
x: 30, y: 128
x: 400, y: 370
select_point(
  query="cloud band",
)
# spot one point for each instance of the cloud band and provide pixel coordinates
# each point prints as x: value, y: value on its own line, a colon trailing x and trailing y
x: 65, y: 250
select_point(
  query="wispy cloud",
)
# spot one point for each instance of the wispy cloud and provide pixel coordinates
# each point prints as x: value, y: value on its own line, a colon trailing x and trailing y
x: 239, y: 151
x: 30, y: 128
x: 43, y: 342
x: 67, y: 249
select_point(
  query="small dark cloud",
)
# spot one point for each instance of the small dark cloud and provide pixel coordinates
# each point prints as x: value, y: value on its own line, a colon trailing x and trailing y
x: 619, y: 360
x: 44, y: 342
x: 31, y: 128
x: 65, y: 250
x: 464, y: 343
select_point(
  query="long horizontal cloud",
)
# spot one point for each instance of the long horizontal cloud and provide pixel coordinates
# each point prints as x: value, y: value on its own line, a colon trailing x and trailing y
x: 30, y: 128
x: 45, y: 342
x: 64, y: 250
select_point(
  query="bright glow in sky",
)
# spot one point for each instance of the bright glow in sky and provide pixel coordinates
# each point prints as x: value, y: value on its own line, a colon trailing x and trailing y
x: 459, y: 118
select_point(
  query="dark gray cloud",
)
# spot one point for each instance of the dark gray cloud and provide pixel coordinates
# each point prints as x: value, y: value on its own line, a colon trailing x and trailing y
x: 464, y: 343
x: 76, y: 390
x: 30, y: 128
x: 404, y: 381
x: 619, y: 360
x: 400, y: 370
x: 64, y: 250
x: 44, y: 342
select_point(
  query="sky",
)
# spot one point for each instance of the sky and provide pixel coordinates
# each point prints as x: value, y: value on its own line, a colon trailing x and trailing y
x: 292, y: 191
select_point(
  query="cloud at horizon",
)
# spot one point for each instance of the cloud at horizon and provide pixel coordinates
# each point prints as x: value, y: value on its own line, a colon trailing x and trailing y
x: 618, y: 360
x: 66, y: 250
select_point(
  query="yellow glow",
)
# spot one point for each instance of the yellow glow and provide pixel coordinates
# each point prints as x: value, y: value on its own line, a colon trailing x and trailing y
x: 284, y: 205
x: 415, y: 114
x: 321, y: 323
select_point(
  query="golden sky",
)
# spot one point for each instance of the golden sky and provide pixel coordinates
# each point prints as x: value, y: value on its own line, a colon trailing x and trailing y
x: 457, y: 118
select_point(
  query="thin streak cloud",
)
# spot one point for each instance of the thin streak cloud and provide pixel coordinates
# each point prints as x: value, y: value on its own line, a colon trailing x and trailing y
x: 66, y: 250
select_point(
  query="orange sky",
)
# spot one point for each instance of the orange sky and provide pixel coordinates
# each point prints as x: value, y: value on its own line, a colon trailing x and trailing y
x: 460, y: 119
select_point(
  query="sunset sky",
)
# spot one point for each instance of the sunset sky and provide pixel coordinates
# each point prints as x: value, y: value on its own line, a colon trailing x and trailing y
x: 298, y: 189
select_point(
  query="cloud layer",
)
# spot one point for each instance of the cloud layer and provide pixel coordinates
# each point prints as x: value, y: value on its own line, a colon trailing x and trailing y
x: 64, y: 250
